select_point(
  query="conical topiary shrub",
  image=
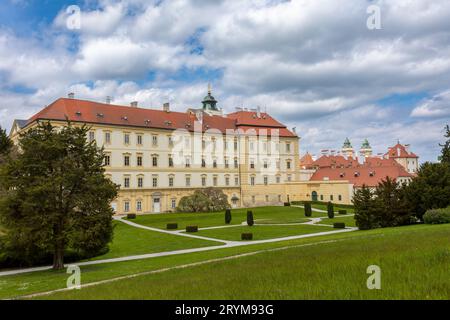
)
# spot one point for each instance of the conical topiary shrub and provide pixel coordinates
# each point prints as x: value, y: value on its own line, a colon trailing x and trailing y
x: 330, y: 210
x: 228, y: 216
x: 308, y: 209
x: 250, y: 221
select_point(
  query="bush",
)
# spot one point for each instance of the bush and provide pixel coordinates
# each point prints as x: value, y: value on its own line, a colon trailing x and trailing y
x: 192, y: 229
x: 131, y: 216
x: 342, y: 211
x: 208, y: 199
x: 437, y: 216
x: 250, y: 221
x: 330, y: 210
x: 247, y: 236
x: 172, y: 226
x: 228, y: 216
x: 339, y: 225
x: 308, y: 209
x: 287, y: 204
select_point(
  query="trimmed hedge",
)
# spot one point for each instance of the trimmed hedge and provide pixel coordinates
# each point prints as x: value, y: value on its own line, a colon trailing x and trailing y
x: 339, y: 225
x: 247, y: 236
x: 308, y: 210
x: 299, y: 203
x: 287, y: 204
x: 192, y: 229
x: 437, y: 216
x: 131, y: 216
x: 342, y: 211
x: 250, y: 221
x: 172, y: 226
x: 228, y: 216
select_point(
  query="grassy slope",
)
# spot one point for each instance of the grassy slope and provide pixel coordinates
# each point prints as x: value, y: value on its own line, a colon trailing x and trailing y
x: 414, y: 262
x: 275, y: 214
x: 261, y: 232
x: 132, y: 241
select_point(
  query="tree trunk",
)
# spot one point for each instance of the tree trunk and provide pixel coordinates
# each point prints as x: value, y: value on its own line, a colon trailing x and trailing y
x: 58, y: 257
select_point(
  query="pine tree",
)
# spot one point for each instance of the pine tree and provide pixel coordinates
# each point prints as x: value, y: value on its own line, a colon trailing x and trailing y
x: 366, y: 216
x: 445, y: 153
x: 58, y: 198
x: 393, y: 208
x: 308, y: 210
x: 227, y: 216
x: 250, y: 221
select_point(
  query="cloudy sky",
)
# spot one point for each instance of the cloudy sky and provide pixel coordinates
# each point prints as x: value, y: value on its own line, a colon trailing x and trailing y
x: 314, y: 65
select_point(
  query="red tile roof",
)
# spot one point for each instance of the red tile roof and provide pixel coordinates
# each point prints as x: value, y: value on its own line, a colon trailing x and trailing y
x: 362, y: 175
x: 399, y: 151
x: 334, y: 161
x: 306, y: 161
x: 91, y: 112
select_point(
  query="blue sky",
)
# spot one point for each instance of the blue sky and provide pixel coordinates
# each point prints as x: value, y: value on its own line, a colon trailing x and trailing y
x: 313, y: 65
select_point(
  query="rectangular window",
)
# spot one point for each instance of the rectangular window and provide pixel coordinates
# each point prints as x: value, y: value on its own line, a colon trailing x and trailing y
x: 203, y: 163
x: 140, y: 182
x: 126, y: 182
x: 252, y: 181
x: 266, y: 165
x: 236, y: 164
x: 227, y: 165
x: 170, y: 181
x: 107, y: 160
x: 215, y: 181
x: 278, y: 179
x: 107, y: 137
x: 188, y: 162
x: 91, y: 136
x: 266, y: 180
x: 170, y: 161
x: 227, y: 181
x: 139, y: 140
x: 288, y: 165
x: 174, y: 203
x: 154, y: 141
x: 288, y: 147
x: 126, y: 138
x: 331, y: 197
x: 126, y: 161
x: 289, y: 178
x: 203, y: 181
x: 155, y: 182
x: 235, y: 145
x: 236, y: 181
x: 252, y: 164
x: 126, y: 206
x: 155, y: 161
x: 214, y: 163
x: 139, y: 205
x: 188, y: 181
x: 139, y: 161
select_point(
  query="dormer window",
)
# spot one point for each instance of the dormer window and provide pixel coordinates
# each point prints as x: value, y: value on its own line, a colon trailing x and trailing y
x: 100, y: 115
x: 147, y: 122
x: 342, y: 174
x: 78, y: 113
x: 356, y: 174
x: 125, y: 118
x: 371, y: 173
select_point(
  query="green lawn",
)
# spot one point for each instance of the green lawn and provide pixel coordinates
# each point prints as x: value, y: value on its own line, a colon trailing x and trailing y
x: 414, y: 264
x: 13, y: 286
x: 349, y: 221
x: 261, y: 232
x: 202, y: 220
x: 129, y: 241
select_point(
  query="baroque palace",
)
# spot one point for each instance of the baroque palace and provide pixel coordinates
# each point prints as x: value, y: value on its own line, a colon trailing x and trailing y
x: 157, y: 156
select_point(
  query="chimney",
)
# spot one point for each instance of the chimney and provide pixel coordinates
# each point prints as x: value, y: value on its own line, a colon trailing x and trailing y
x: 166, y: 107
x: 258, y: 112
x: 134, y: 104
x: 71, y: 95
x: 108, y: 100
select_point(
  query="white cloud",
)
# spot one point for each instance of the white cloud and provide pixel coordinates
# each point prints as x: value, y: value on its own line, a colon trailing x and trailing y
x: 437, y: 106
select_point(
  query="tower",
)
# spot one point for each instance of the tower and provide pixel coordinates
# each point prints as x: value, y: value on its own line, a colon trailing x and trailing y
x: 347, y: 149
x: 366, y: 149
x: 209, y: 102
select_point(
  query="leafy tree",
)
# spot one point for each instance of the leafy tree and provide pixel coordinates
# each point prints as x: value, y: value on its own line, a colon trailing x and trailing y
x: 392, y: 206
x: 365, y: 209
x: 57, y: 199
x: 208, y: 199
x: 219, y: 200
x: 445, y: 153
x: 227, y: 216
x: 330, y: 210
x: 5, y: 143
x: 430, y: 189
x: 250, y: 221
x: 197, y: 202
